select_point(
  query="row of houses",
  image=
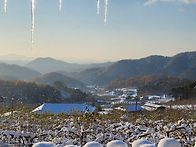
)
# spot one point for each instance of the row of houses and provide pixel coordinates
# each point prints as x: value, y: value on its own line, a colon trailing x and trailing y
x: 120, y: 92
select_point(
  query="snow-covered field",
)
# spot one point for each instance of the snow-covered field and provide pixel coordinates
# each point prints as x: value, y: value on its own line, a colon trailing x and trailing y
x: 26, y: 130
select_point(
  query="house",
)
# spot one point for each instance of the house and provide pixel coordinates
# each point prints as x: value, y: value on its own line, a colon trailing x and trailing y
x: 55, y: 108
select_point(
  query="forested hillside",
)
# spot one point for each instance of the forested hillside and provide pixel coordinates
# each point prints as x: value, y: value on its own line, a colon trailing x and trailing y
x: 185, y: 92
x: 32, y: 93
x: 149, y: 84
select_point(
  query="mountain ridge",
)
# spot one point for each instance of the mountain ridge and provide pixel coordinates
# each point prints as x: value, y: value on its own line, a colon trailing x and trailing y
x: 179, y: 66
x: 182, y: 65
x: 48, y: 64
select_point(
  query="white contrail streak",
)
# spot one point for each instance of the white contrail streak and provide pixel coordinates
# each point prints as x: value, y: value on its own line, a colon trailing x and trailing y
x: 5, y: 6
x: 60, y: 5
x: 32, y: 20
x: 98, y: 6
x: 106, y: 11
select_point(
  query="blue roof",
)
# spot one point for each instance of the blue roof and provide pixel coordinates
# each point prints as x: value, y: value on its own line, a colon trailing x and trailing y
x: 63, y: 108
x: 132, y: 108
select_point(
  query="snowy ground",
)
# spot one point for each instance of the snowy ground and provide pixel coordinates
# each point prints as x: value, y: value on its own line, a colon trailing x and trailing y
x: 26, y: 130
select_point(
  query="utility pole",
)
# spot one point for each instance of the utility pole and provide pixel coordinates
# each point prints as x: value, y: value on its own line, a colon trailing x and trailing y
x: 136, y: 103
x: 12, y: 106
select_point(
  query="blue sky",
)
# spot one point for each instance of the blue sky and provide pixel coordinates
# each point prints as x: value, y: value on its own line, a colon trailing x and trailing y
x: 134, y: 29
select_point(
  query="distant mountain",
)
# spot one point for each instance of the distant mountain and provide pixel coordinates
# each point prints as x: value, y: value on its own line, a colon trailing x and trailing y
x: 47, y: 65
x: 181, y: 65
x: 51, y: 78
x: 123, y: 69
x: 15, y: 72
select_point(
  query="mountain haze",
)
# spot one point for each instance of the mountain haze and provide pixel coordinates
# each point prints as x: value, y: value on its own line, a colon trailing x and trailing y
x: 15, y: 72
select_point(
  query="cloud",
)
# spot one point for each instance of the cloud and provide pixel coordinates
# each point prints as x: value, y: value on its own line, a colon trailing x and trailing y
x: 150, y: 2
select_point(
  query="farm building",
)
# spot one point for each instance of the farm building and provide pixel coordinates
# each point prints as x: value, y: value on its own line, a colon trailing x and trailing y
x: 54, y: 108
x: 151, y: 107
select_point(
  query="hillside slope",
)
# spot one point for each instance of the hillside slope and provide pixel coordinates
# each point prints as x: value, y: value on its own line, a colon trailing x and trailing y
x: 51, y: 78
x: 149, y: 84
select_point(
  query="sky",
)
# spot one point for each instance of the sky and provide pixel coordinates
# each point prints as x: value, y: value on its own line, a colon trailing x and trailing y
x: 134, y: 29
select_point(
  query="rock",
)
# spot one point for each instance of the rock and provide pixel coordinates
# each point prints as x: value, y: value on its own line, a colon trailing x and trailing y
x: 71, y: 146
x: 116, y: 143
x: 169, y: 142
x: 140, y: 142
x: 93, y: 144
x: 44, y: 144
x: 147, y: 145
